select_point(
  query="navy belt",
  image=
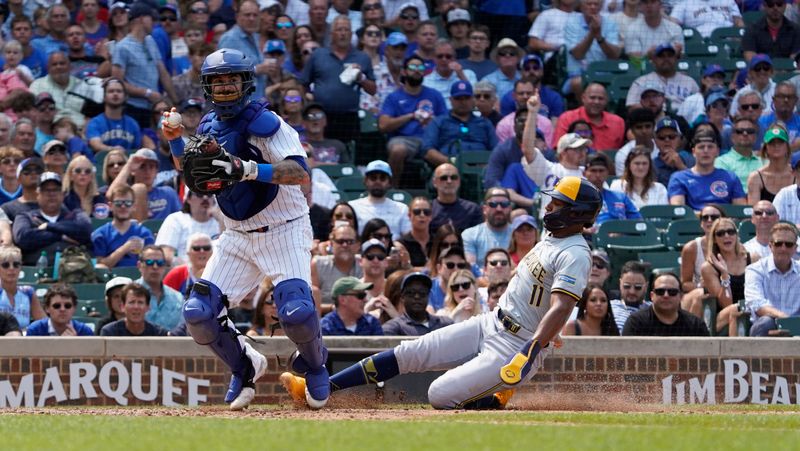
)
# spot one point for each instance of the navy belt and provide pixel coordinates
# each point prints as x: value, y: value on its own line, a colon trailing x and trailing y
x: 508, y: 322
x: 266, y: 228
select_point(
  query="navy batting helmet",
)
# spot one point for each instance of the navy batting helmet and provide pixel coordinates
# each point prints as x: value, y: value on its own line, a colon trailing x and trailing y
x: 583, y: 201
x: 227, y: 62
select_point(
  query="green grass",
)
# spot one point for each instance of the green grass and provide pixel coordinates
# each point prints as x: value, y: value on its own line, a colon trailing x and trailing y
x: 723, y: 428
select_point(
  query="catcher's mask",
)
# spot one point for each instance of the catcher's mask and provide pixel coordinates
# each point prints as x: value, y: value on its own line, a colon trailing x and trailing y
x: 232, y: 99
x: 583, y: 201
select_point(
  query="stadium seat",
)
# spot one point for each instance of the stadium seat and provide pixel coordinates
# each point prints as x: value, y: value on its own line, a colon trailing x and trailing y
x: 398, y: 195
x: 88, y: 291
x: 470, y: 165
x: 783, y: 65
x: 692, y: 36
x: 738, y: 211
x: 710, y: 314
x: 747, y: 231
x: 337, y: 171
x: 605, y: 71
x: 100, y: 158
x: 350, y: 187
x: 727, y: 33
x: 153, y: 225
x: 703, y: 50
x: 661, y: 261
x: 97, y: 223
x: 751, y: 17
x: 369, y: 123
x: 743, y: 325
x: 681, y: 232
x: 130, y: 272
x: 625, y: 239
x: 618, y: 93
x: 92, y: 322
x: 27, y: 275
x: 791, y: 325
x: 662, y: 215
x: 92, y: 307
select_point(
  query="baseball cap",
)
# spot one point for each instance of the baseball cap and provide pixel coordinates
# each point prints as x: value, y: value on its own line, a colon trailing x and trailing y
x: 396, y: 38
x: 523, y: 219
x: 598, y: 159
x: 118, y: 5
x: 705, y: 136
x: 117, y: 282
x: 571, y: 141
x: 312, y: 106
x: 531, y: 57
x: 795, y: 160
x: 506, y: 43
x: 668, y: 122
x: 53, y: 145
x: 458, y: 15
x: 453, y: 251
x: 495, y: 191
x: 49, y: 177
x: 370, y: 243
x: 410, y: 277
x: 378, y: 166
x: 713, y: 69
x: 169, y: 7
x: 44, y: 97
x: 601, y: 255
x: 147, y: 154
x: 775, y: 133
x: 141, y: 9
x: 33, y: 161
x: 191, y: 103
x: 408, y: 5
x: 274, y: 45
x: 716, y: 96
x: 346, y: 284
x: 663, y: 48
x: 461, y: 88
x: 760, y: 58
x: 652, y: 85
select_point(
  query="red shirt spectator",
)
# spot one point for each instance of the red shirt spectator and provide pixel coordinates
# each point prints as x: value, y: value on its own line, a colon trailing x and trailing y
x: 608, y: 128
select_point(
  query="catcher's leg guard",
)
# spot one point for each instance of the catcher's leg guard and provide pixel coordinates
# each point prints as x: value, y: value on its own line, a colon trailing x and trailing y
x: 298, y: 318
x: 207, y: 322
x: 377, y: 368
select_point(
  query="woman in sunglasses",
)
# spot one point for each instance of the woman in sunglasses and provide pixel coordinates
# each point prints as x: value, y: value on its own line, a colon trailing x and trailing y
x: 80, y: 189
x: 370, y: 40
x: 693, y: 256
x: 10, y: 188
x: 112, y: 165
x: 594, y: 315
x: 297, y: 58
x: 291, y: 108
x: 461, y: 301
x: 18, y: 300
x: 446, y: 236
x: 283, y: 28
x: 723, y: 273
x: 777, y: 173
x: 341, y: 213
x: 418, y: 240
x: 398, y: 254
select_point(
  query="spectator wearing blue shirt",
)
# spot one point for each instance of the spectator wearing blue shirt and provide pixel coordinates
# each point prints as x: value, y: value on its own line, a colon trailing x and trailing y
x: 32, y: 58
x: 60, y: 304
x: 327, y: 67
x: 448, y: 135
x: 10, y: 188
x: 57, y: 18
x: 588, y: 37
x: 165, y: 304
x: 532, y: 67
x: 405, y: 114
x: 494, y: 231
x: 119, y: 242
x: 137, y: 306
x: 670, y: 158
x: 447, y: 71
x: 349, y: 295
x: 784, y: 102
x: 160, y: 201
x: 703, y: 183
x: 138, y: 62
x: 244, y: 37
x: 114, y: 129
x: 616, y: 205
x: 476, y: 61
x: 507, y: 56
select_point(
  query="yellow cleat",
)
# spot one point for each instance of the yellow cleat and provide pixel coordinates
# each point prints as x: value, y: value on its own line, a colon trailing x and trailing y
x: 295, y: 385
x: 503, y: 397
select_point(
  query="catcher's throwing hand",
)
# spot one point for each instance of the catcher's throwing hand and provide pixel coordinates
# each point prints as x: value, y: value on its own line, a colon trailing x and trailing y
x: 170, y: 131
x: 209, y: 169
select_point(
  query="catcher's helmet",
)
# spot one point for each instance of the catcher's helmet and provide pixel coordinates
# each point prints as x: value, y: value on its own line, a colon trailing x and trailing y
x: 228, y: 61
x: 583, y: 201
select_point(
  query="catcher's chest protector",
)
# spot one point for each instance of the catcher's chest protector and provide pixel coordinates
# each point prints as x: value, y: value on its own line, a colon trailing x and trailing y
x: 244, y: 199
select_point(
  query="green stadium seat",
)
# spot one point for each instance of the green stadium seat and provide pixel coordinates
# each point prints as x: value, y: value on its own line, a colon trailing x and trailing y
x: 92, y: 322
x: 97, y: 223
x: 93, y: 308
x: 398, y: 195
x: 153, y: 225
x: 703, y: 50
x: 692, y: 36
x: 791, y: 325
x: 662, y: 215
x: 27, y: 275
x: 100, y: 158
x: 336, y: 171
x: 783, y: 65
x: 738, y: 211
x: 130, y: 272
x: 88, y: 291
x: 751, y: 17
x: 783, y: 76
x: 605, y: 71
x: 681, y: 232
x: 743, y: 325
x: 618, y: 92
x: 747, y: 231
x: 663, y: 260
x: 470, y: 165
x: 369, y: 123
x: 625, y: 239
x: 728, y: 33
x: 350, y: 187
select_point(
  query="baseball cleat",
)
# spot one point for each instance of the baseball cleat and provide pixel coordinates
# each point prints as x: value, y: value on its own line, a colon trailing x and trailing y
x: 246, y: 390
x: 503, y: 397
x: 295, y: 386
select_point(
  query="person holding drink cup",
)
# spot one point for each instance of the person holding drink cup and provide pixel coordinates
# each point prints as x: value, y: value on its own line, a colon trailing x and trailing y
x: 119, y: 242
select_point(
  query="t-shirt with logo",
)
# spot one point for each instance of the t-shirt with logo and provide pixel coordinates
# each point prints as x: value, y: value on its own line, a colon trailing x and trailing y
x: 719, y: 187
x: 161, y: 201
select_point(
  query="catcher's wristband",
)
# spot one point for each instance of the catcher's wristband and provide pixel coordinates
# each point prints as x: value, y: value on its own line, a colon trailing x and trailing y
x: 176, y: 147
x: 264, y: 173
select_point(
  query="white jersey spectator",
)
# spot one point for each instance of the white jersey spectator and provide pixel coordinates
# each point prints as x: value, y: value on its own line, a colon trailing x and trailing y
x: 706, y: 16
x: 177, y: 228
x: 549, y: 27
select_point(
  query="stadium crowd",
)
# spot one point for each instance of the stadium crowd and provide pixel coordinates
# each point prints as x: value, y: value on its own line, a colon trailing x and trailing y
x: 431, y: 127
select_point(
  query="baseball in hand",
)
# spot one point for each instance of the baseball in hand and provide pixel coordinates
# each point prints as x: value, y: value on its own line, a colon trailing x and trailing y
x: 174, y: 119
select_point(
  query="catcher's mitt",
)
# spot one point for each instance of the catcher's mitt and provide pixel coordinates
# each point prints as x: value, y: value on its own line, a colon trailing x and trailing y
x: 207, y: 167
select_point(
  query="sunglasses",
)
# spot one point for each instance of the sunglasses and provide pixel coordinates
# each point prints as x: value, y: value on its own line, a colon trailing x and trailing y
x: 198, y: 11
x: 283, y: 25
x: 6, y: 265
x: 421, y: 211
x: 460, y: 286
x: 47, y: 108
x: 372, y: 6
x: 292, y: 99
x: 373, y: 34
x: 666, y: 291
x: 448, y: 244
x: 116, y: 164
x: 773, y: 4
x: 168, y: 19
x: 745, y: 131
x: 762, y: 68
x: 501, y: 204
x: 315, y: 116
x: 11, y: 161
x: 530, y: 67
x: 503, y: 263
x: 483, y: 96
x: 636, y: 287
x: 709, y: 218
x: 361, y: 295
x: 372, y: 257
x: 446, y: 177
x: 749, y: 106
x: 409, y: 16
x: 599, y: 265
x: 66, y: 305
x: 309, y: 51
x: 381, y: 236
x: 786, y: 244
x: 122, y: 203
x: 506, y: 54
x: 415, y: 293
x: 764, y: 212
x: 82, y: 171
x: 206, y: 248
x: 416, y: 67
x: 452, y: 265
x: 152, y: 262
x: 721, y: 233
x: 445, y: 56
x: 342, y: 216
x: 345, y: 242
x: 584, y: 133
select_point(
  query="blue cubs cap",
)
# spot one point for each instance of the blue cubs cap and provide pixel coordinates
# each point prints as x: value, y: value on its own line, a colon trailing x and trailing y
x: 274, y: 45
x: 416, y: 276
x: 49, y: 177
x: 372, y: 242
x: 667, y: 122
x: 396, y: 38
x: 32, y: 161
x: 760, y: 58
x: 531, y: 58
x: 461, y: 89
x: 713, y: 69
x: 663, y: 48
x: 378, y: 166
x: 191, y: 103
x: 716, y: 96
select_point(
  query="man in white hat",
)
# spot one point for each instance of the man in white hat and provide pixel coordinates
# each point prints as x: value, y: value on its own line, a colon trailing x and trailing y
x: 506, y: 55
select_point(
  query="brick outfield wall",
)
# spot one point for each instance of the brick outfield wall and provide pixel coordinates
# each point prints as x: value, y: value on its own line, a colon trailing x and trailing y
x: 633, y: 372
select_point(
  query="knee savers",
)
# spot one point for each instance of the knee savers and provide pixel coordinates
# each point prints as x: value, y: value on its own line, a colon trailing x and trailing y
x: 296, y: 310
x: 201, y: 311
